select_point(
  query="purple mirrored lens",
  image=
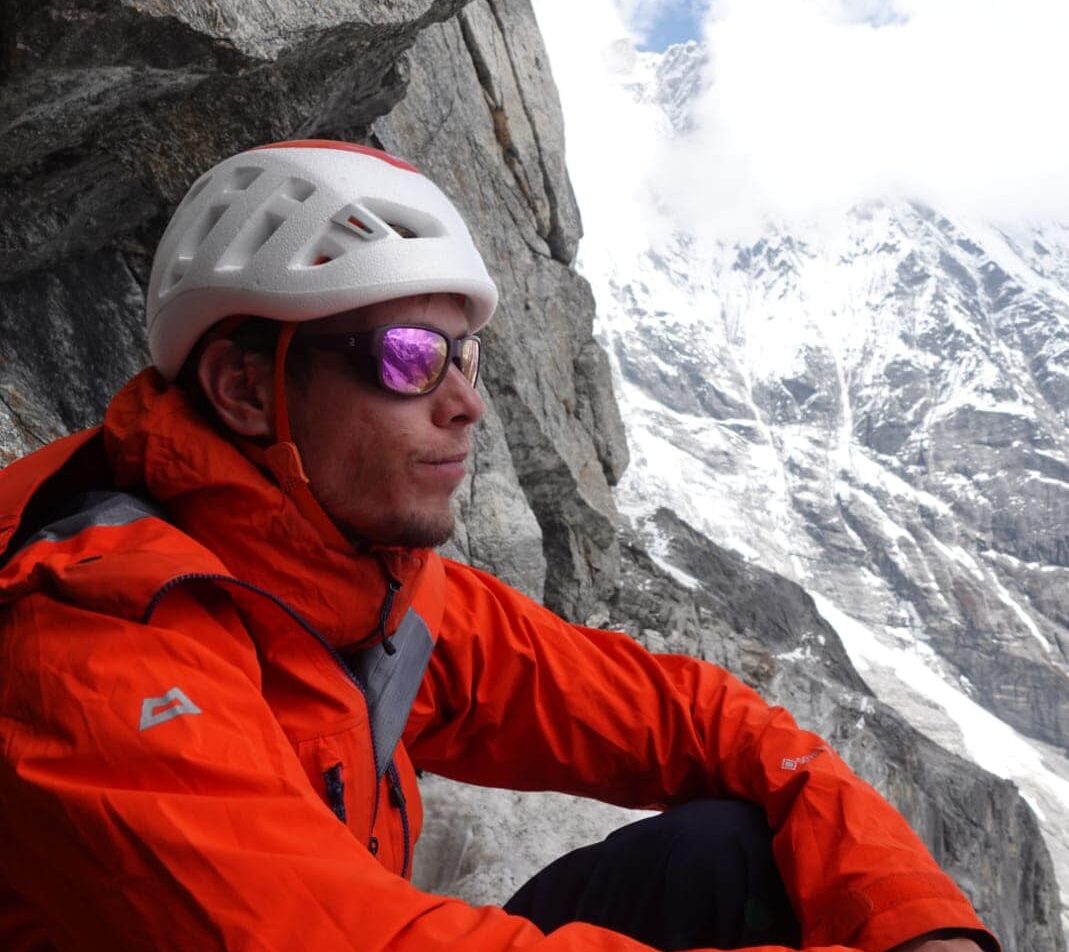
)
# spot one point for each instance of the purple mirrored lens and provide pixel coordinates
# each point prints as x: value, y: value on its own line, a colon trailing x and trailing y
x: 469, y: 359
x: 412, y: 359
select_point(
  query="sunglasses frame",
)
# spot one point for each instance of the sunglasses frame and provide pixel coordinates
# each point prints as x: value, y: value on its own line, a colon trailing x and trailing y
x: 370, y: 344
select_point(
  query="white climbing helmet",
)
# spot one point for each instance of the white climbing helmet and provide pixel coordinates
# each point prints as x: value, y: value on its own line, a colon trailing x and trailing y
x: 299, y: 230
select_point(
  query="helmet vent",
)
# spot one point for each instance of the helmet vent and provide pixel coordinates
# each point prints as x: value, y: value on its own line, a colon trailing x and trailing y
x: 298, y: 189
x: 321, y: 252
x: 243, y: 176
x: 404, y: 220
x: 256, y: 233
x: 264, y: 222
x: 196, y: 188
x: 358, y: 225
x: 191, y: 242
x: 358, y: 220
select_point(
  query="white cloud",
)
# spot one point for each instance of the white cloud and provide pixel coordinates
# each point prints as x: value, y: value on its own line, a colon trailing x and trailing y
x: 612, y: 146
x: 640, y: 15
x: 814, y: 105
x: 811, y: 107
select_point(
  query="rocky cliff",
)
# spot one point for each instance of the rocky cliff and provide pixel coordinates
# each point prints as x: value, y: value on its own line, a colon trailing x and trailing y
x: 110, y: 108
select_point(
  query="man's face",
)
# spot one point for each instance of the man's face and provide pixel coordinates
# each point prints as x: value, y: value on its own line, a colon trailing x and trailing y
x: 384, y: 466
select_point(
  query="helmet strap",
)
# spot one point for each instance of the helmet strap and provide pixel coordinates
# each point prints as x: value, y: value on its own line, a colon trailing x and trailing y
x: 283, y: 459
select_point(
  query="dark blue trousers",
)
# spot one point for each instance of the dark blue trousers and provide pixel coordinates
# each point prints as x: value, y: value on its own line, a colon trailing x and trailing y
x: 698, y: 875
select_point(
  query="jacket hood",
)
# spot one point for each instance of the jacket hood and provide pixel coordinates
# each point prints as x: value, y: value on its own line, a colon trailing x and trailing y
x: 21, y: 480
x: 233, y: 517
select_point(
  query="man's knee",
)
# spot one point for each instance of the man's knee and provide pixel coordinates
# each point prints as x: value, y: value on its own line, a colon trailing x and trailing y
x: 725, y: 834
x: 701, y: 874
x: 720, y: 884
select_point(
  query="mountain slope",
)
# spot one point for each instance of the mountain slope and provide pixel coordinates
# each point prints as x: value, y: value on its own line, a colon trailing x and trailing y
x: 877, y: 408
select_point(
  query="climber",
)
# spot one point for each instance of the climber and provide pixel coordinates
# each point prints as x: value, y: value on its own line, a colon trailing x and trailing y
x: 229, y: 644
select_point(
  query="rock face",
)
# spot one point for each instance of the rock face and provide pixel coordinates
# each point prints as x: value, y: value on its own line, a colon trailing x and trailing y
x: 489, y: 131
x: 110, y: 110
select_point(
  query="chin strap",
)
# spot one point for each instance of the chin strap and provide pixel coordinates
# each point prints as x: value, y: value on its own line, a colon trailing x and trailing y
x: 283, y: 459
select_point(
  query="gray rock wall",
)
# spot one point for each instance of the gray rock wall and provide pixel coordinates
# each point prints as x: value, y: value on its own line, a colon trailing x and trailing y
x: 482, y: 119
x: 108, y: 111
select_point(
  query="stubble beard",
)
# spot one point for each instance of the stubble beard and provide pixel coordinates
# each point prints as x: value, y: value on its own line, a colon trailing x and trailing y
x: 425, y: 532
x: 415, y: 531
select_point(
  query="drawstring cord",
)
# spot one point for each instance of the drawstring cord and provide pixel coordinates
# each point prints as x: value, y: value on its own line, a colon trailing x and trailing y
x: 283, y: 459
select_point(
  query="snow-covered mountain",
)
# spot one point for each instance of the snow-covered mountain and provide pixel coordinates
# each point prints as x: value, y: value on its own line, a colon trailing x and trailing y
x: 879, y: 409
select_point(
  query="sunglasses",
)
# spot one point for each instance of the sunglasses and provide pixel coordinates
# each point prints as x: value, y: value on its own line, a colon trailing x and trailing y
x: 410, y: 359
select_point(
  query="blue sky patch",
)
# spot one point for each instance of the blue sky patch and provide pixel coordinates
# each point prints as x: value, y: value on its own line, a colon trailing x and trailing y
x: 677, y: 23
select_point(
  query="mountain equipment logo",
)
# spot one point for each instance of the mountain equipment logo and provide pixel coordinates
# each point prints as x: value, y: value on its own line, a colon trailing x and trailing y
x: 156, y: 710
x: 793, y: 763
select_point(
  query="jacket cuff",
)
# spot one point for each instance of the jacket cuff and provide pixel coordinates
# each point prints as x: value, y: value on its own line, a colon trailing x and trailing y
x: 985, y: 940
x: 900, y: 907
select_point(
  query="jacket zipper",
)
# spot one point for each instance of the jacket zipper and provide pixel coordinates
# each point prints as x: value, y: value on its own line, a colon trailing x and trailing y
x: 372, y: 842
x: 334, y: 786
x: 397, y: 798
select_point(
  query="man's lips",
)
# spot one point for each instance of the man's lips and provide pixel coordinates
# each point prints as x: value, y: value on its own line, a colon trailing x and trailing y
x: 451, y: 468
x: 460, y: 458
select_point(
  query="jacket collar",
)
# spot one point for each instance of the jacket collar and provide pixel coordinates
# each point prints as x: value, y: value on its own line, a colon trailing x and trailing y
x: 159, y: 446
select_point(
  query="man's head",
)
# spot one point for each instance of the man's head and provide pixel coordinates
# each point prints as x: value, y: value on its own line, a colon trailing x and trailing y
x: 382, y: 465
x: 332, y: 243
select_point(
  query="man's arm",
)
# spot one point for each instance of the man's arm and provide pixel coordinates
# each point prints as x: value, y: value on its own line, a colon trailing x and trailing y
x: 200, y: 831
x: 517, y: 698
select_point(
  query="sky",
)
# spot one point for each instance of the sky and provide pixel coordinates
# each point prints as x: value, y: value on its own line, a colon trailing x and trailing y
x: 658, y: 24
x: 811, y: 106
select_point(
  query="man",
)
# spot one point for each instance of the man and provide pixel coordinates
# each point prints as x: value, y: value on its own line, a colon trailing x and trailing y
x: 228, y: 643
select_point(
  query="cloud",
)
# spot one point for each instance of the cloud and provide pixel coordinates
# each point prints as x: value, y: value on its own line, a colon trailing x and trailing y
x: 613, y: 143
x: 813, y: 105
x: 810, y: 106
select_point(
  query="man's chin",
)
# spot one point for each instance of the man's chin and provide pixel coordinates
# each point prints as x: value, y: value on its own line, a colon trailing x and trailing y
x: 417, y: 532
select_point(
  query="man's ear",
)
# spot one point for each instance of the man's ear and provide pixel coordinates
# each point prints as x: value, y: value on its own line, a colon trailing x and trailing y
x: 240, y: 387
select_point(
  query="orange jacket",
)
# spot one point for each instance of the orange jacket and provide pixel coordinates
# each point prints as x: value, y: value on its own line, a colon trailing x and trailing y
x: 183, y: 741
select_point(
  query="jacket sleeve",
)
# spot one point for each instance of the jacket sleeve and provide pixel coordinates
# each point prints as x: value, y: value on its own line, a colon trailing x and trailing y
x: 515, y: 693
x: 199, y: 830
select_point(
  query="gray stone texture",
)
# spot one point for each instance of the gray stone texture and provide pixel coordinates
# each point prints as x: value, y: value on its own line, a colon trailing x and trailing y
x: 496, y: 529
x: 481, y: 118
x: 108, y: 111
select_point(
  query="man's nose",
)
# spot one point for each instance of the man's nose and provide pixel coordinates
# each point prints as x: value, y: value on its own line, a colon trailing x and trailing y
x: 457, y: 402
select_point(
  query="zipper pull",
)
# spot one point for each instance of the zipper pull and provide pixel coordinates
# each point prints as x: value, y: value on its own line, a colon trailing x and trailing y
x: 392, y: 588
x: 397, y: 796
x: 335, y: 790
